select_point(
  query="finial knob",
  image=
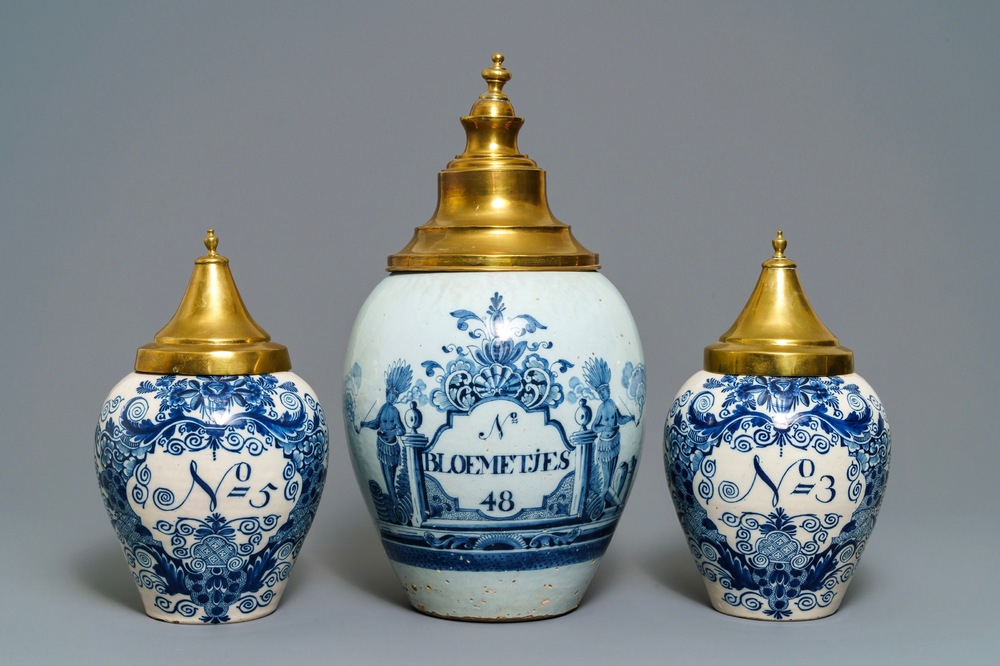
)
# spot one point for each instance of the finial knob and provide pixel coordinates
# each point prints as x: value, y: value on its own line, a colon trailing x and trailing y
x: 779, y: 244
x: 211, y: 241
x: 496, y: 75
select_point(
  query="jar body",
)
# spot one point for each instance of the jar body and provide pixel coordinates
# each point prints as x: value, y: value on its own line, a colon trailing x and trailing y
x: 495, y: 425
x: 777, y: 482
x: 211, y: 484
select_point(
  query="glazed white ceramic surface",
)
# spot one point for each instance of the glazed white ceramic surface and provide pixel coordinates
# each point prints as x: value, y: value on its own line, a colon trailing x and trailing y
x: 495, y: 425
x: 211, y: 484
x: 777, y: 482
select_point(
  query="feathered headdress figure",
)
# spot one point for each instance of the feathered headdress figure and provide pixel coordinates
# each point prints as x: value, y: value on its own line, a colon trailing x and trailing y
x: 398, y: 378
x: 597, y: 373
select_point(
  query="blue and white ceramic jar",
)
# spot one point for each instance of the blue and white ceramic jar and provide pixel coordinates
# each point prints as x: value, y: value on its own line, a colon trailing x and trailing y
x: 493, y: 393
x: 211, y: 459
x: 777, y: 457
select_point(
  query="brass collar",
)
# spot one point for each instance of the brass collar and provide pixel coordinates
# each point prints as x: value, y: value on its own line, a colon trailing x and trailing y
x: 778, y: 334
x: 212, y: 333
x: 492, y: 212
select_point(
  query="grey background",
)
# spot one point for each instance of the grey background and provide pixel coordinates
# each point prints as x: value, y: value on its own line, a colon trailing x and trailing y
x: 678, y: 137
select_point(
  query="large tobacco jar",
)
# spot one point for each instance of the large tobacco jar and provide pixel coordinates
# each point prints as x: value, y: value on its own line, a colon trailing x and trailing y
x: 211, y: 459
x: 493, y: 392
x: 777, y: 456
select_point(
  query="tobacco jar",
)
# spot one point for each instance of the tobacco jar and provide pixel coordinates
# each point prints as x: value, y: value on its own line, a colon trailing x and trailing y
x: 777, y: 456
x: 493, y: 392
x: 211, y: 458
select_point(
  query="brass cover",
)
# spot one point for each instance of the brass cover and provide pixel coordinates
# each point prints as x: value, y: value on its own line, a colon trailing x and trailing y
x: 492, y: 212
x: 778, y: 334
x: 212, y: 333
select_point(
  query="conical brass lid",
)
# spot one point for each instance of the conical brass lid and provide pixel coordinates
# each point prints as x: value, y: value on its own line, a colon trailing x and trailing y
x: 492, y: 212
x: 212, y: 333
x: 778, y: 334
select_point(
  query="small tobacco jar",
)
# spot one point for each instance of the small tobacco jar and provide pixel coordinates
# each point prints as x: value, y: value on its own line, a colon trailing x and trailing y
x: 777, y: 456
x: 211, y: 459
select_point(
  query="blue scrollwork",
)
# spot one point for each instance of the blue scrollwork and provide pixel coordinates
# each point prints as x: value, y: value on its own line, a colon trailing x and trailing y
x: 505, y: 365
x: 499, y: 364
x: 236, y: 414
x: 778, y: 563
x: 212, y: 563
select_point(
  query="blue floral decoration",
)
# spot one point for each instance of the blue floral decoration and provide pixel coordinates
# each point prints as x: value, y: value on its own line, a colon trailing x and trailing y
x: 208, y: 569
x: 500, y: 364
x: 779, y: 563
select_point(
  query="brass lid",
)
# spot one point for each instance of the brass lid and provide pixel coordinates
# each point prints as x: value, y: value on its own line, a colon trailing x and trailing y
x: 212, y: 333
x: 492, y: 212
x: 778, y: 334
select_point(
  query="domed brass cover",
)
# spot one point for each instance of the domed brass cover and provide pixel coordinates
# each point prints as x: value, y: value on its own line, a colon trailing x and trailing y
x: 212, y: 333
x: 778, y: 334
x: 492, y: 212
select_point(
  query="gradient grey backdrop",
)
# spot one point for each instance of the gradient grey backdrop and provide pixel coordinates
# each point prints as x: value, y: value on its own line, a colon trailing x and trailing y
x: 678, y: 137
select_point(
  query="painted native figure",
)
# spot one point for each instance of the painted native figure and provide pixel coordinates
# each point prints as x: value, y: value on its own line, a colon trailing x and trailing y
x: 388, y: 425
x: 607, y: 423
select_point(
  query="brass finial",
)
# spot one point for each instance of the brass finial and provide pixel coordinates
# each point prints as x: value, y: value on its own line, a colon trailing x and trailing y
x: 496, y: 75
x: 211, y: 241
x: 492, y: 212
x: 778, y: 333
x: 779, y: 244
x: 494, y: 103
x: 212, y: 245
x: 212, y: 333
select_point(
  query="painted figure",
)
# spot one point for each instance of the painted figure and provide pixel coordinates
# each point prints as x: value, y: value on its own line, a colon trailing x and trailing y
x: 388, y: 425
x: 607, y: 422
